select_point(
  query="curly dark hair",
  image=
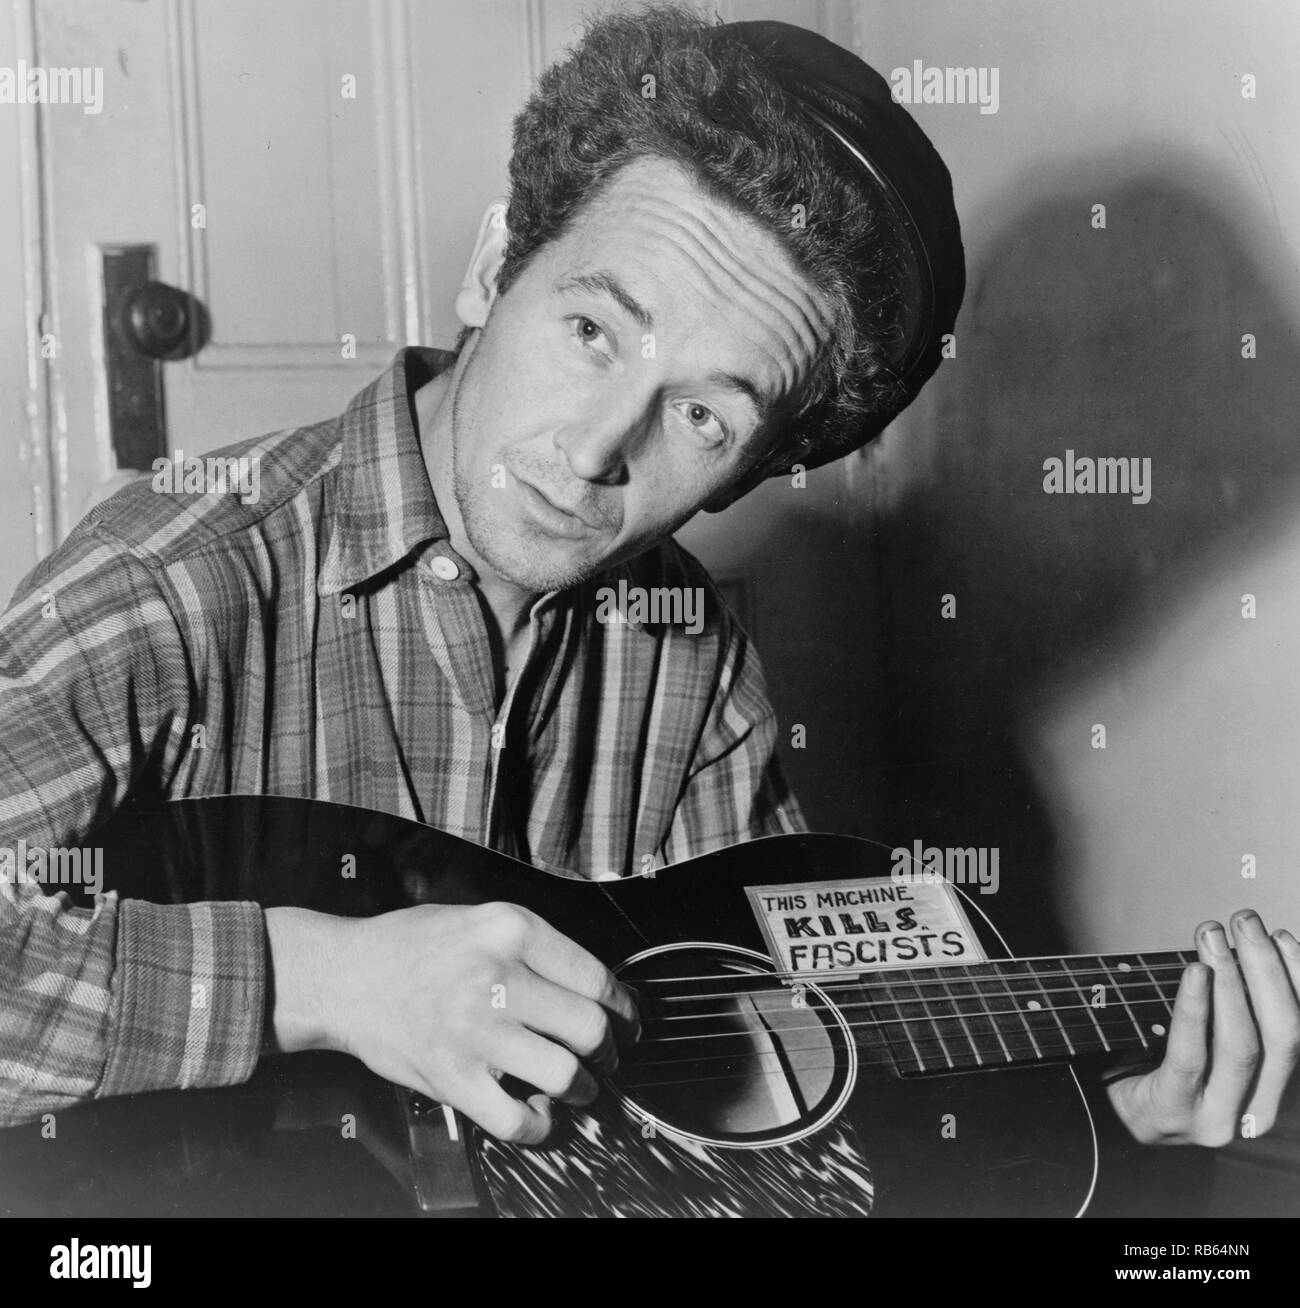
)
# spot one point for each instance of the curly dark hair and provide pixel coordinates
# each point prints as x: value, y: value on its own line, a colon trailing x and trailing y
x: 718, y: 112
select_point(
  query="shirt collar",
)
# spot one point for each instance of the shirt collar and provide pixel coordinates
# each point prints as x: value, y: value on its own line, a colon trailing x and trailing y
x: 385, y: 506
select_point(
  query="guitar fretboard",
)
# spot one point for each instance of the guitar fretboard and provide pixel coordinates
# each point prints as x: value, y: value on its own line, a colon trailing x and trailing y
x: 1016, y: 1011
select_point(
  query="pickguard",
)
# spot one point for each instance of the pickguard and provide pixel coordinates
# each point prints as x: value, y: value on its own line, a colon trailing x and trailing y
x: 600, y: 1163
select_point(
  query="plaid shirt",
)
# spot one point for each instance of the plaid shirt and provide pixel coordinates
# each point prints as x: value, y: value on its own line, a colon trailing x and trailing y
x: 325, y: 641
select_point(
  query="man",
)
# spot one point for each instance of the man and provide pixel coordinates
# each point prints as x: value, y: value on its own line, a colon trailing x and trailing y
x: 726, y: 253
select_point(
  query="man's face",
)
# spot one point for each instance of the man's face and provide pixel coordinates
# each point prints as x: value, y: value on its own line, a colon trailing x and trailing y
x: 633, y: 372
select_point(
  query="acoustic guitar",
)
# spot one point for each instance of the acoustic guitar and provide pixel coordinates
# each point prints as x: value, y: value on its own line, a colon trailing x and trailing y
x: 821, y: 1036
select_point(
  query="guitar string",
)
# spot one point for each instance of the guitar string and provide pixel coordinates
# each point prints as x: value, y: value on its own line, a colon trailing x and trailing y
x: 1022, y: 1044
x: 1015, y: 1016
x: 932, y: 1055
x: 877, y: 1060
x: 903, y: 1021
x: 1124, y: 991
x: 1023, y: 1055
x: 991, y: 964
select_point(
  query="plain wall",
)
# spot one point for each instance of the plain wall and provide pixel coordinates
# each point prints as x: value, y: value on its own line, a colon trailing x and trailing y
x: 1074, y: 611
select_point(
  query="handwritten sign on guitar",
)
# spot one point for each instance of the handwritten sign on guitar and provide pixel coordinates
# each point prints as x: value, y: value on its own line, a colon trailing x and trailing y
x: 846, y: 928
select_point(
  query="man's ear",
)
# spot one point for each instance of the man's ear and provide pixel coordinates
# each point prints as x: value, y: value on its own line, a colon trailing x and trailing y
x: 479, y: 289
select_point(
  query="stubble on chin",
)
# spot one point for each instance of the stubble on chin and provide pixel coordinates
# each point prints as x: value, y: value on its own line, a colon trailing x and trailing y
x: 514, y: 549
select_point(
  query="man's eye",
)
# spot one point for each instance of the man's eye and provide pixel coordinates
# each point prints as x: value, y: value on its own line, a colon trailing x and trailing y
x: 587, y: 332
x: 702, y: 419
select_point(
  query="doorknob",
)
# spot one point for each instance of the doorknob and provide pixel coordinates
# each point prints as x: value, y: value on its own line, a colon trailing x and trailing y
x: 163, y: 322
x: 146, y: 324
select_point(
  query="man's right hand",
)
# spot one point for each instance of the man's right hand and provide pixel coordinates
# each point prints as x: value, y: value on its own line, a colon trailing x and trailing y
x: 446, y: 999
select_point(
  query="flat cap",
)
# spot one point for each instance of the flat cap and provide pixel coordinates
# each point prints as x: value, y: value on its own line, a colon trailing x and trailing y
x: 852, y: 104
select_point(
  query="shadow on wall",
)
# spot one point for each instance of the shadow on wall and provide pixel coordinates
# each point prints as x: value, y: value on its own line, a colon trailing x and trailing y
x: 799, y: 558
x: 1123, y: 342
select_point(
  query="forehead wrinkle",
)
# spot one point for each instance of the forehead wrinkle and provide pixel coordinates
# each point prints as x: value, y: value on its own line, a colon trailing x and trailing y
x: 764, y: 321
x: 804, y: 308
x: 712, y: 256
x: 657, y: 197
x: 754, y: 312
x: 669, y: 190
x: 772, y: 346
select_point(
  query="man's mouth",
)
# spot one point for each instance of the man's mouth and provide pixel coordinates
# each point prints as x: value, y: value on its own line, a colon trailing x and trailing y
x: 554, y: 517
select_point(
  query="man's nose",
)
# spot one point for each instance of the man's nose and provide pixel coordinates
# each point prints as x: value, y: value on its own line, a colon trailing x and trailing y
x: 599, y: 447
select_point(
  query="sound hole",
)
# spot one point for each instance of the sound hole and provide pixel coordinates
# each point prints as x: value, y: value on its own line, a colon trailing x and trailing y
x: 729, y: 1054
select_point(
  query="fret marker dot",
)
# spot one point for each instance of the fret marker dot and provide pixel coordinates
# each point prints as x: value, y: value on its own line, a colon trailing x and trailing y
x: 1157, y: 1029
x: 1033, y: 1003
x: 1124, y: 967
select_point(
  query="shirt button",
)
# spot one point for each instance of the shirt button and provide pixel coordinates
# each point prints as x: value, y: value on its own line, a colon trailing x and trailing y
x: 443, y: 568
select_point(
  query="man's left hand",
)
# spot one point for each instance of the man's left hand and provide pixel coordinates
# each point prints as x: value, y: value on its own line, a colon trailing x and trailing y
x: 1234, y: 1041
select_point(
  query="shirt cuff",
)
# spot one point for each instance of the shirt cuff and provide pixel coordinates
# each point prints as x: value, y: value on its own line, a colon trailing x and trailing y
x: 189, y: 994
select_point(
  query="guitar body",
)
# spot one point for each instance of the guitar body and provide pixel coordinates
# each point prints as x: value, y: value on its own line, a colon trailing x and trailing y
x: 1023, y: 1148
x: 753, y: 1098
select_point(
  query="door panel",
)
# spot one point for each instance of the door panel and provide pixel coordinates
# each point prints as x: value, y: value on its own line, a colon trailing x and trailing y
x: 333, y: 226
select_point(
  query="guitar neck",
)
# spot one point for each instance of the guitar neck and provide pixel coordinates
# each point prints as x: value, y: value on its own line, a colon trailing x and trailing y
x: 1017, y: 1011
